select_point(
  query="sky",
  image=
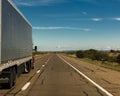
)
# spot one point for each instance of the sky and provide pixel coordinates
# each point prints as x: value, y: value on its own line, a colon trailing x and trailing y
x: 60, y: 25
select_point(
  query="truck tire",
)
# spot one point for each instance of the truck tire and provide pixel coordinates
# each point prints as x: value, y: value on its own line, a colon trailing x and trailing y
x: 15, y: 76
x: 10, y: 82
x: 28, y: 65
x: 12, y: 78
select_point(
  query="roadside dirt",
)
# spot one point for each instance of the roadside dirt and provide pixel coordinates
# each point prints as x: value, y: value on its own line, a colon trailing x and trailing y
x: 108, y: 79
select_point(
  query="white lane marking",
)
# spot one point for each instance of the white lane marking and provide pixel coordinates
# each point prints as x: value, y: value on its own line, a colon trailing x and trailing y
x: 43, y: 65
x: 26, y: 86
x: 38, y: 71
x: 98, y: 86
x: 47, y: 61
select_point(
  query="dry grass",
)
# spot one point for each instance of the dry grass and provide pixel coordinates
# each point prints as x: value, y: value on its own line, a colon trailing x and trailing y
x: 108, y: 65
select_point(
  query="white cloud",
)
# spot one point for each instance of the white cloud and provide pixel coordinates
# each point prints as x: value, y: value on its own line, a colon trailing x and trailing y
x: 59, y: 46
x: 38, y: 2
x: 65, y: 28
x: 63, y: 47
x: 47, y: 28
x: 46, y: 2
x: 96, y: 19
x: 25, y: 4
x: 117, y: 19
x: 108, y: 48
x: 84, y: 13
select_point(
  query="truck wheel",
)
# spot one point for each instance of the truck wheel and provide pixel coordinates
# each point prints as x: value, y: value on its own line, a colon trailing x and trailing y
x: 12, y: 78
x: 28, y: 65
x: 10, y: 82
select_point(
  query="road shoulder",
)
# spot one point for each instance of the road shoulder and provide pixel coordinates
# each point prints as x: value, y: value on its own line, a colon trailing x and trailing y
x: 107, y: 78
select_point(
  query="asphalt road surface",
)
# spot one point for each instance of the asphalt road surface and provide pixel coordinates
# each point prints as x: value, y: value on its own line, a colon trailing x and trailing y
x: 53, y: 76
x: 59, y: 79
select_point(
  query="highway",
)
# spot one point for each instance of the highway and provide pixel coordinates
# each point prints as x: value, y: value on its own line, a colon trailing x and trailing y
x: 53, y: 76
x: 58, y: 79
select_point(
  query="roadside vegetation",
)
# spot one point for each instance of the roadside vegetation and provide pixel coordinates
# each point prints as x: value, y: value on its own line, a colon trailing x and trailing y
x: 37, y: 53
x: 108, y: 59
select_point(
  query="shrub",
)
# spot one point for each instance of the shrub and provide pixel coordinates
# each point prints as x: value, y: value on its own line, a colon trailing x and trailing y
x: 111, y: 59
x: 118, y: 59
x: 90, y: 54
x: 80, y: 54
x: 99, y: 56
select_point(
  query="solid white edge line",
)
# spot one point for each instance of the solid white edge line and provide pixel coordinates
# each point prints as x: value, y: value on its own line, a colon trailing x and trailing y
x: 98, y: 86
x: 26, y: 86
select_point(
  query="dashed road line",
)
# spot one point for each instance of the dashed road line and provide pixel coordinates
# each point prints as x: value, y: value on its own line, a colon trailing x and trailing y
x: 47, y: 61
x: 43, y: 65
x: 26, y: 86
x: 28, y: 83
x: 38, y: 71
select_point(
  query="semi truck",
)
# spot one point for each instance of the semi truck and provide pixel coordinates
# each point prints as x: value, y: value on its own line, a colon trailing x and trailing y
x: 15, y: 43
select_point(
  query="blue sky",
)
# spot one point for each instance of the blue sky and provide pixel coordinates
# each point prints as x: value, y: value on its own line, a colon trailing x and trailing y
x: 73, y: 24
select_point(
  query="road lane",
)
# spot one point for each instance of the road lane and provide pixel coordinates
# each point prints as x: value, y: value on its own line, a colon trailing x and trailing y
x: 58, y: 79
x: 25, y: 78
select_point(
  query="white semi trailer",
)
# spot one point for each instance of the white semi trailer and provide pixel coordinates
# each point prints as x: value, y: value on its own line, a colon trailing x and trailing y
x: 15, y: 43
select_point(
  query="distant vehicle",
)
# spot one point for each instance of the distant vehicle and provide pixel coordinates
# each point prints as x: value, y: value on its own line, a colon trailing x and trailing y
x: 15, y: 43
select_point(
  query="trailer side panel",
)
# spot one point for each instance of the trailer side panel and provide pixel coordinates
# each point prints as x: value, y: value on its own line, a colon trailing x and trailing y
x: 0, y: 28
x: 16, y: 34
